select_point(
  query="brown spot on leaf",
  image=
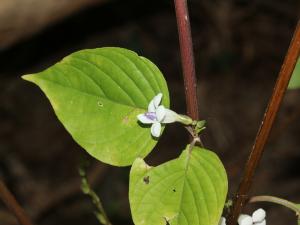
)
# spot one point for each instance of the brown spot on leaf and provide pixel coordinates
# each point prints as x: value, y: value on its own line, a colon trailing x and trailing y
x: 126, y: 120
x: 146, y: 180
x: 167, y: 221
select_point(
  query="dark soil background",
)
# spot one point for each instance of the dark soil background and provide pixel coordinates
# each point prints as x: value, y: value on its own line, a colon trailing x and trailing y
x: 239, y: 47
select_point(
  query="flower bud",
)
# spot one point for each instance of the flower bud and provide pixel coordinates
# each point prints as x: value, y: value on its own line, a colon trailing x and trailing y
x: 245, y: 220
x: 258, y: 215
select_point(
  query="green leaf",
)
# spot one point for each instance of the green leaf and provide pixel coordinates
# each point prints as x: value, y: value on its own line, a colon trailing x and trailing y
x: 295, y: 79
x: 97, y: 95
x: 189, y: 190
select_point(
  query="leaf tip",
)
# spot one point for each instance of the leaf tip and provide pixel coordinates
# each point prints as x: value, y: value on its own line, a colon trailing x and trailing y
x: 28, y: 77
x: 141, y: 163
x: 140, y: 166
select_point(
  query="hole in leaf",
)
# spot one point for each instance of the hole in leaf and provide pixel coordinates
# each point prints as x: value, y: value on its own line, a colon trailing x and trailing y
x: 100, y: 104
x: 167, y: 221
x: 146, y: 180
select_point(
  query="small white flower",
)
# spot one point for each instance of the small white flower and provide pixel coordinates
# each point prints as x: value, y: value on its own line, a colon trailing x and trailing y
x: 245, y: 220
x: 222, y: 221
x: 260, y: 223
x: 258, y: 215
x: 258, y: 218
x: 156, y: 115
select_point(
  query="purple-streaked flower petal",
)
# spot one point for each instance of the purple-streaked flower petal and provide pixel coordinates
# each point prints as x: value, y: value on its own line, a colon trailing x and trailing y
x: 144, y: 119
x: 160, y: 113
x: 155, y: 129
x: 157, y: 114
x: 151, y: 115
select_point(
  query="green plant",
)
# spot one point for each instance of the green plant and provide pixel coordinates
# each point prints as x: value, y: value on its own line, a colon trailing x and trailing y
x: 115, y: 104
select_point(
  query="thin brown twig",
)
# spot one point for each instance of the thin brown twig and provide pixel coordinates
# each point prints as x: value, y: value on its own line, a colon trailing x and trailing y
x: 12, y: 204
x: 187, y: 57
x: 265, y: 128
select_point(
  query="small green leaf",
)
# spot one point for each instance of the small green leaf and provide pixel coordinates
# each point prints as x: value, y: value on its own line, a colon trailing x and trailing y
x: 97, y: 95
x: 295, y: 79
x: 189, y: 190
x: 100, y: 218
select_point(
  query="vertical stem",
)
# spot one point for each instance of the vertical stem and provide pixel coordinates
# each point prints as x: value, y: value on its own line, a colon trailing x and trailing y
x: 264, y: 130
x: 85, y: 187
x: 12, y: 204
x: 187, y: 57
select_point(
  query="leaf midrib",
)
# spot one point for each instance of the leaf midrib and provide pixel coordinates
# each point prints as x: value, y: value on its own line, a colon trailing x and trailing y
x: 184, y: 182
x: 86, y: 93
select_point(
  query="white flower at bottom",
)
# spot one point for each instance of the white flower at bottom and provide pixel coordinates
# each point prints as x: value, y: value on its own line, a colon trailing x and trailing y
x: 261, y: 223
x: 245, y: 220
x: 258, y: 218
x: 258, y: 215
x: 222, y: 221
x: 156, y: 115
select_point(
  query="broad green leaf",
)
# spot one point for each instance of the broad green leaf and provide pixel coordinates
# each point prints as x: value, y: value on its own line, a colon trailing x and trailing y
x: 97, y: 94
x: 189, y: 190
x: 295, y: 79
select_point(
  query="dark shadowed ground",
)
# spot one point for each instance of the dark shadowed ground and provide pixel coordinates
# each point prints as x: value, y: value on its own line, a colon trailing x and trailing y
x: 239, y: 47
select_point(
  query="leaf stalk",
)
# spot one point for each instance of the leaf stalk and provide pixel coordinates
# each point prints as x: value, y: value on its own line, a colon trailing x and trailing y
x: 276, y: 200
x: 86, y: 189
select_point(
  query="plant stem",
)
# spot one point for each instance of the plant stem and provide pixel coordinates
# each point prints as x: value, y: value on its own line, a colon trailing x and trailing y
x: 187, y: 58
x: 12, y: 204
x: 266, y: 125
x: 280, y: 201
x: 86, y: 189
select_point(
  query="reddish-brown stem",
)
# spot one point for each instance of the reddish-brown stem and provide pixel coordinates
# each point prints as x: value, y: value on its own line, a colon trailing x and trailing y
x: 266, y: 125
x: 12, y: 204
x: 187, y: 57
